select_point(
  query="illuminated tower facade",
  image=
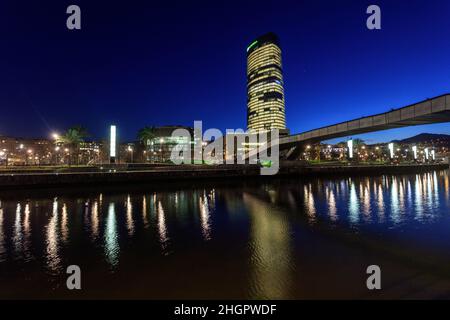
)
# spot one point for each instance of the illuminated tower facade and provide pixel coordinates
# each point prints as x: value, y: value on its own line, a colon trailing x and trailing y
x: 265, y: 93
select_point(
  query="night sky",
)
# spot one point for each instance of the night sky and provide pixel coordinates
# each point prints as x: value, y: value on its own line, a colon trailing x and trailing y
x: 137, y: 63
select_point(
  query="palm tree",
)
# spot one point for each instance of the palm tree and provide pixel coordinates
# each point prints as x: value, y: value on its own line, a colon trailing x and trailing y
x: 146, y: 135
x: 358, y: 143
x: 72, y: 138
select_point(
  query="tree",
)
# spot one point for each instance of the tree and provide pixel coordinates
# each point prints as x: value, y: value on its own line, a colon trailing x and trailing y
x: 72, y: 139
x: 146, y: 135
x: 358, y: 143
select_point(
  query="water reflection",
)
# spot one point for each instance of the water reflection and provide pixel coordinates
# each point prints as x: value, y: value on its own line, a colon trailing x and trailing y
x: 380, y: 203
x: 366, y: 204
x: 162, y: 228
x: 331, y: 203
x: 309, y: 204
x: 112, y: 248
x: 94, y: 221
x: 27, y: 232
x: 353, y: 204
x: 64, y: 224
x: 130, y: 222
x: 144, y: 211
x: 2, y: 235
x: 395, y: 205
x: 52, y: 239
x: 270, y: 251
x: 260, y: 219
x: 205, y: 217
x: 18, y: 235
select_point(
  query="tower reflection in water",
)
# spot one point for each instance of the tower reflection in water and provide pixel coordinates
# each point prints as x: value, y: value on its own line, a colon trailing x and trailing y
x: 269, y: 244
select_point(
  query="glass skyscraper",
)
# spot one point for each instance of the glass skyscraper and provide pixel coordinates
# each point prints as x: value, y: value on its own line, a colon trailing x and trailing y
x: 265, y: 93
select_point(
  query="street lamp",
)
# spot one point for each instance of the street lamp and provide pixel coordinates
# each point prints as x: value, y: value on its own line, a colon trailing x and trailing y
x: 56, y: 154
x: 29, y: 152
x: 130, y: 150
x: 56, y: 138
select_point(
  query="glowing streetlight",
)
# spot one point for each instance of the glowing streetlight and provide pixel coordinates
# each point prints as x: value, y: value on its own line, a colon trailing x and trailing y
x: 130, y: 150
x: 55, y: 136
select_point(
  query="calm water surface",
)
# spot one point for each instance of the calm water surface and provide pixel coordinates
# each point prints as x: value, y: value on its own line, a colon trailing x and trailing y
x: 286, y: 238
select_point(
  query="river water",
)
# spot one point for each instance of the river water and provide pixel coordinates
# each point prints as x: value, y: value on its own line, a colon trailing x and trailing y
x: 291, y: 238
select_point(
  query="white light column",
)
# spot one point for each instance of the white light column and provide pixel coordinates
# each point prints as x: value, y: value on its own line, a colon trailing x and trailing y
x: 350, y: 148
x: 112, y: 144
x: 391, y: 150
x: 433, y: 154
x: 415, y: 152
x: 427, y: 153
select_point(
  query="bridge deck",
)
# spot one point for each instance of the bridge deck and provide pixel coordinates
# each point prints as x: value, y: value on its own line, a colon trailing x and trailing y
x: 435, y: 110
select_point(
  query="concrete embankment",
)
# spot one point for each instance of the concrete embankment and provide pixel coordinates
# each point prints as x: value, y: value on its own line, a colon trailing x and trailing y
x: 135, y: 174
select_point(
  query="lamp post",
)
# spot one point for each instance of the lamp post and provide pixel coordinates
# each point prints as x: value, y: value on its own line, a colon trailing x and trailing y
x: 56, y: 138
x: 29, y: 155
x: 56, y: 154
x: 130, y: 150
x: 67, y: 151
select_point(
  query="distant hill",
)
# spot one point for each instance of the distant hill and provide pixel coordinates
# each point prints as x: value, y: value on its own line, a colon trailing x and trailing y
x: 427, y: 137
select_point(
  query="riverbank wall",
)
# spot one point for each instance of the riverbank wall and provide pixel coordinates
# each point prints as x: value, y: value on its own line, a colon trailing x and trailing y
x: 128, y: 175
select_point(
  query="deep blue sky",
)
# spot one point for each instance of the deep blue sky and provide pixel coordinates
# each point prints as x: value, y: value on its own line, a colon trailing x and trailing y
x: 137, y: 63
